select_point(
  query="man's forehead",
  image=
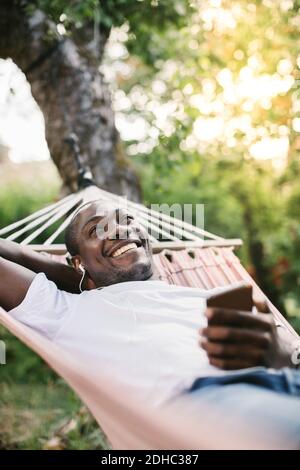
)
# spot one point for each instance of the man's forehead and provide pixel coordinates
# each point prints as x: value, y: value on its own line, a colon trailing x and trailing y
x: 96, y: 208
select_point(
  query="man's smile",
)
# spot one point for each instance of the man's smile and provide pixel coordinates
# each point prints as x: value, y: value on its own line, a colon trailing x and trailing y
x: 123, y: 247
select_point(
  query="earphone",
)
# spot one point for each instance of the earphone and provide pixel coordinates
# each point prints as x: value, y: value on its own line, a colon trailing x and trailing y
x: 82, y: 269
x: 82, y: 277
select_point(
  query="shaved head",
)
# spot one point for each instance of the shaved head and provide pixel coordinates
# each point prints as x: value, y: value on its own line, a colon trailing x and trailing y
x: 72, y: 230
x: 109, y: 243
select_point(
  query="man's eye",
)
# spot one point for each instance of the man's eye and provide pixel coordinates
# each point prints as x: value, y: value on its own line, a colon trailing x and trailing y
x: 92, y: 231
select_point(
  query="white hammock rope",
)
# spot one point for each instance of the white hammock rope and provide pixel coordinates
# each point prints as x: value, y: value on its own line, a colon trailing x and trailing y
x: 61, y: 213
x: 169, y: 232
x: 184, y: 227
x: 37, y: 221
x: 59, y: 230
x: 33, y: 216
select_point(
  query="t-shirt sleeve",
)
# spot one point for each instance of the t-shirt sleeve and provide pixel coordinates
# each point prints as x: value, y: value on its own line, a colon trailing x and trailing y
x: 45, y: 308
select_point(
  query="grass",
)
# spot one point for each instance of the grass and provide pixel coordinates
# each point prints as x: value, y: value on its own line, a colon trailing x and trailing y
x: 34, y: 416
x: 38, y: 410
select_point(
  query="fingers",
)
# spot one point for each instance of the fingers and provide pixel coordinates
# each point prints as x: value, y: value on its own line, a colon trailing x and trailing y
x: 235, y: 348
x: 237, y: 339
x: 236, y: 318
x: 233, y: 351
x: 236, y: 335
x: 232, y: 364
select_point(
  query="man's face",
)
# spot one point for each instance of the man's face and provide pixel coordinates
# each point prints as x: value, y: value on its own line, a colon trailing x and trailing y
x: 113, y: 247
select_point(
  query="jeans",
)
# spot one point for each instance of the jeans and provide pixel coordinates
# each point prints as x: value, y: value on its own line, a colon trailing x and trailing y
x: 261, y: 399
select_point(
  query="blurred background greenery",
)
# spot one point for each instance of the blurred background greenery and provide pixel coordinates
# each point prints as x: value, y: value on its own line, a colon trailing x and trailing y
x: 207, y: 106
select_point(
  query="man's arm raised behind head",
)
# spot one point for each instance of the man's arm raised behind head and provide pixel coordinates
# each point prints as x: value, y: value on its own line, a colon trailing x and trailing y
x: 15, y: 281
x: 65, y: 277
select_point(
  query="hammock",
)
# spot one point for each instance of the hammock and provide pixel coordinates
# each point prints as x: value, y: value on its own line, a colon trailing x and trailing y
x: 175, y: 233
x: 200, y: 260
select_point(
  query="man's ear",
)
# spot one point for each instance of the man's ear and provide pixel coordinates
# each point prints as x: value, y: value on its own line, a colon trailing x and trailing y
x: 76, y: 262
x: 88, y: 282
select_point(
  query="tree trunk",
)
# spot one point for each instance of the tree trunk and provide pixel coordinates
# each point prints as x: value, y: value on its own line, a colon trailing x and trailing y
x: 66, y: 83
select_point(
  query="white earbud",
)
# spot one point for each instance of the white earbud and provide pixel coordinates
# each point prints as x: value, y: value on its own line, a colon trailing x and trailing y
x: 81, y: 268
x: 82, y: 277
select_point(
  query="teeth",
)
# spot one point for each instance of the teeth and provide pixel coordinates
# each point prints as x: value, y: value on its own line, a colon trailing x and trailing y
x: 123, y: 249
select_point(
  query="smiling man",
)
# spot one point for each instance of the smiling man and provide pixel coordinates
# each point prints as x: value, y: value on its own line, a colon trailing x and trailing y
x: 110, y: 243
x: 145, y: 332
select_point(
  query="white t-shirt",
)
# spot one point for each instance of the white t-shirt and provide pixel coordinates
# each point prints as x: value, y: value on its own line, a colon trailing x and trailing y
x: 144, y: 333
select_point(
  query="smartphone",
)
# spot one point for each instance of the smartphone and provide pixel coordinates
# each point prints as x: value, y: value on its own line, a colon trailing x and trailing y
x: 237, y: 297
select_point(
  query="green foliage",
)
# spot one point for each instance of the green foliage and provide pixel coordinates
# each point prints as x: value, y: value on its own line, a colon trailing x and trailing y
x: 144, y: 17
x: 21, y: 200
x: 28, y: 193
x: 23, y: 366
x: 25, y: 192
x: 219, y: 70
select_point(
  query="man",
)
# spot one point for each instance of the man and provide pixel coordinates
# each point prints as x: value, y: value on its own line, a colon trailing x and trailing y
x: 143, y: 331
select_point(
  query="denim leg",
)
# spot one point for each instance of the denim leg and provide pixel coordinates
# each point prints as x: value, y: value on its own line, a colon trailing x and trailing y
x: 283, y: 380
x: 268, y: 401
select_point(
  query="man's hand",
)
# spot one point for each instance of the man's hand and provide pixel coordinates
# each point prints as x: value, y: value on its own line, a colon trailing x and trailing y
x: 236, y: 340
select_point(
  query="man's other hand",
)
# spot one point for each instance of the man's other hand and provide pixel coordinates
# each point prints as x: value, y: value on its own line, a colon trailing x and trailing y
x: 236, y: 340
